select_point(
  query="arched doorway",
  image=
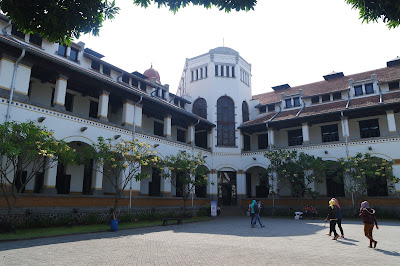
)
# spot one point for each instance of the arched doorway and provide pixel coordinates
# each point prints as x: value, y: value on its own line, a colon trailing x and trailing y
x: 257, y: 182
x: 334, y: 179
x: 227, y: 187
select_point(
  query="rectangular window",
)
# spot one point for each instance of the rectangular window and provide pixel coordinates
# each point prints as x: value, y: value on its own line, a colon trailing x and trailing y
x: 197, y: 74
x: 246, y: 142
x: 337, y: 96
x: 62, y: 50
x: 222, y: 70
x: 295, y: 137
x: 216, y: 70
x: 205, y: 72
x: 35, y: 39
x: 330, y: 133
x: 125, y: 78
x: 93, y: 108
x: 201, y: 73
x: 182, y: 104
x: 180, y: 135
x: 163, y: 94
x: 143, y: 86
x: 106, y: 70
x: 296, y: 101
x: 158, y: 129
x: 227, y: 71
x: 95, y: 65
x: 288, y: 103
x: 16, y: 32
x: 271, y: 107
x: 192, y: 75
x: 369, y: 128
x: 233, y: 72
x: 74, y: 54
x: 315, y: 99
x: 369, y: 88
x: 326, y: 98
x: 263, y: 141
x: 358, y: 90
x: 262, y: 109
x: 394, y: 85
x: 176, y: 101
x: 69, y: 102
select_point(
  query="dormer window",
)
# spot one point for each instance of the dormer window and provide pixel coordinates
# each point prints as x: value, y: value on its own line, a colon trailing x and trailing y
x: 271, y: 107
x: 95, y: 65
x: 106, y: 70
x: 125, y: 78
x: 262, y: 109
x: 35, y: 39
x: 394, y: 85
x: 337, y: 96
x: 15, y: 32
x: 74, y: 54
x: 369, y: 88
x: 288, y: 103
x: 296, y: 101
x: 358, y: 90
x: 62, y: 50
x: 315, y: 99
x: 326, y: 97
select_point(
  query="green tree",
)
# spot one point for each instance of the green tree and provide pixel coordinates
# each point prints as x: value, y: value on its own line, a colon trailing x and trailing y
x: 373, y: 10
x: 185, y: 168
x: 120, y: 163
x: 365, y: 173
x: 63, y: 20
x: 29, y: 148
x: 297, y: 170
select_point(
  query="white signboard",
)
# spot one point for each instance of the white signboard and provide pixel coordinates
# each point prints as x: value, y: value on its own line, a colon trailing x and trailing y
x: 213, y: 208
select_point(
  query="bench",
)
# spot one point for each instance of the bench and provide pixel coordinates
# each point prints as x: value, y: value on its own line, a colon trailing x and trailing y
x: 165, y: 220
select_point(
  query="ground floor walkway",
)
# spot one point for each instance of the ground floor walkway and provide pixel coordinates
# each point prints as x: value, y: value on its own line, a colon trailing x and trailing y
x: 223, y: 241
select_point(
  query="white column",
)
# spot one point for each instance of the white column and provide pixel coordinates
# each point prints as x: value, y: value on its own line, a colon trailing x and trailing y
x: 391, y: 121
x: 68, y: 51
x: 166, y: 186
x: 167, y: 126
x: 138, y: 115
x: 102, y: 113
x: 241, y: 185
x: 210, y: 139
x: 191, y: 134
x: 128, y: 113
x: 345, y: 127
x: 97, y: 179
x: 271, y: 138
x: 306, y: 133
x: 60, y: 92
x: 50, y: 177
x: 23, y: 78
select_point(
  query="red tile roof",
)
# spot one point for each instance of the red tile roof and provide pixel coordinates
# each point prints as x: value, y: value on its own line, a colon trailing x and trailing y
x: 384, y: 75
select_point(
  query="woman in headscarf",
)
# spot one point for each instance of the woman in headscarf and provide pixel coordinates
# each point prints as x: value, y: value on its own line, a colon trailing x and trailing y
x: 339, y: 217
x: 332, y: 217
x: 368, y: 216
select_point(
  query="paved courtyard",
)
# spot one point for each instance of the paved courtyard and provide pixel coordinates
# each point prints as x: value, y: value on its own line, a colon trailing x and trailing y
x: 223, y: 241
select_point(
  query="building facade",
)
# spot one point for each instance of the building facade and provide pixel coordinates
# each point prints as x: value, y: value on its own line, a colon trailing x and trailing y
x: 75, y: 92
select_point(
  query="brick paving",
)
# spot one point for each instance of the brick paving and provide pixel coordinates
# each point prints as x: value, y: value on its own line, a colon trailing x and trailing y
x: 223, y: 241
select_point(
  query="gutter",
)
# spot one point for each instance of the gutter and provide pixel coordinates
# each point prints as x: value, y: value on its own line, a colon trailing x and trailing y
x: 348, y: 99
x: 102, y: 79
x: 346, y: 137
x: 302, y: 108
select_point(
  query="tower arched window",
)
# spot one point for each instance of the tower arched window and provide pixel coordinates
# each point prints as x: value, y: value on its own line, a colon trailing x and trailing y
x: 200, y: 108
x: 225, y: 121
x: 245, y: 111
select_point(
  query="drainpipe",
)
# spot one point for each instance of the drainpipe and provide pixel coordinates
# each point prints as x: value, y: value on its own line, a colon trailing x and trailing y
x: 302, y: 107
x: 348, y: 99
x: 133, y: 139
x: 380, y: 95
x: 346, y: 137
x: 198, y: 121
x: 12, y: 88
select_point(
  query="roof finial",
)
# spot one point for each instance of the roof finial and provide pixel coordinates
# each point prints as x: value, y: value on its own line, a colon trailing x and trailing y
x: 151, y: 66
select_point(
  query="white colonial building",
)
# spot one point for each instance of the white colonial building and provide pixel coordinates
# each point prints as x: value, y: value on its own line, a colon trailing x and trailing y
x: 73, y: 91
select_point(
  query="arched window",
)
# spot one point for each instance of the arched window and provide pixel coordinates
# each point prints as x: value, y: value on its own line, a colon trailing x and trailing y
x: 200, y: 108
x: 245, y: 111
x: 225, y: 121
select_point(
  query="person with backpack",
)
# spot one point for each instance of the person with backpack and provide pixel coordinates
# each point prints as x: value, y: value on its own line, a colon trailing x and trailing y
x: 256, y: 209
x: 368, y: 216
x: 251, y: 211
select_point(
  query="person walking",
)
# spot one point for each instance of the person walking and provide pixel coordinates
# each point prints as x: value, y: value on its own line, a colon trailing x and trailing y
x: 251, y: 210
x: 332, y: 217
x: 368, y: 217
x: 256, y: 208
x: 339, y: 216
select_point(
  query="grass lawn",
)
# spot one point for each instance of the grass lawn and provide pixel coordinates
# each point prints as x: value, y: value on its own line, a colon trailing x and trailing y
x: 54, y: 231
